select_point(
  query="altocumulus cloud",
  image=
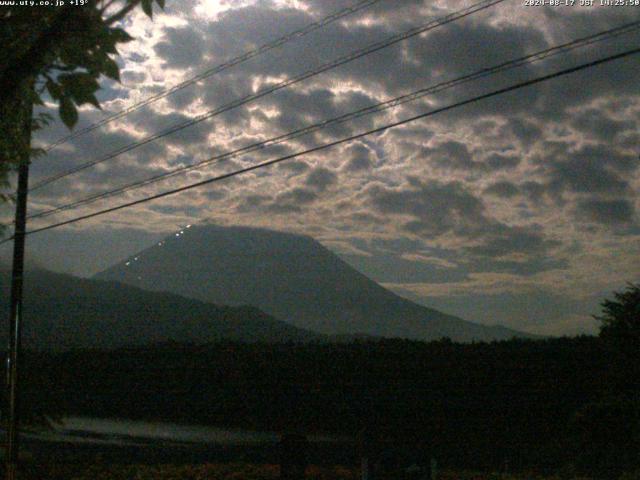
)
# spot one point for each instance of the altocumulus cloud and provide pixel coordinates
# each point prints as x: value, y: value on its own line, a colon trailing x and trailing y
x: 538, y: 188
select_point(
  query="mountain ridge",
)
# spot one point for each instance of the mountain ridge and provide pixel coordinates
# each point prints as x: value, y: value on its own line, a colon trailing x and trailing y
x: 292, y: 277
x: 65, y: 312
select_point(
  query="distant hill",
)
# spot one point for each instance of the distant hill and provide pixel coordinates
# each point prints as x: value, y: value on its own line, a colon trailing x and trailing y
x: 291, y: 277
x: 62, y: 311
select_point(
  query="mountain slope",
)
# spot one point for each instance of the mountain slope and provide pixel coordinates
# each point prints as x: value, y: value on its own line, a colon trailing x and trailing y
x: 289, y: 276
x: 62, y: 311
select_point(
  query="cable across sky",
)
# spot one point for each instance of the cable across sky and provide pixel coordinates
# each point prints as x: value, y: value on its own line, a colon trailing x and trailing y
x: 312, y: 27
x: 372, y: 109
x: 494, y: 93
x: 372, y: 48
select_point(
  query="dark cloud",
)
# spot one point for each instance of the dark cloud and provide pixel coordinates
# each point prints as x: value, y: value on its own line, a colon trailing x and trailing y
x: 586, y: 176
x: 171, y: 209
x: 295, y: 197
x: 182, y: 99
x: 132, y: 77
x: 389, y: 10
x: 214, y: 194
x: 248, y: 27
x: 451, y: 155
x: 320, y: 179
x: 192, y: 135
x: 108, y: 174
x: 502, y: 189
x: 595, y: 123
x: 535, y: 191
x: 463, y: 48
x: 181, y: 47
x: 321, y: 104
x: 252, y: 202
x: 604, y: 81
x: 292, y: 200
x: 606, y: 212
x: 526, y: 267
x: 590, y: 169
x: 526, y: 131
x: 295, y: 167
x: 225, y: 90
x: 360, y: 158
x: 630, y: 140
x: 502, y: 240
x: 499, y: 161
x: 568, y: 143
x: 436, y: 207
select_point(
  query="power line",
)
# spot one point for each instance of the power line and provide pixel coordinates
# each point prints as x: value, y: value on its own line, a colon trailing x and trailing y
x: 279, y: 86
x: 335, y: 16
x: 377, y: 108
x: 218, y: 178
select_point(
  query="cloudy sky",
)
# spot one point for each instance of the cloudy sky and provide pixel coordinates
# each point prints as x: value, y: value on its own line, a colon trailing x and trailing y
x: 520, y: 210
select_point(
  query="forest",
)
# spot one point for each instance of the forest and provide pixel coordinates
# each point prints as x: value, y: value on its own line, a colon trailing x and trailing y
x: 526, y: 405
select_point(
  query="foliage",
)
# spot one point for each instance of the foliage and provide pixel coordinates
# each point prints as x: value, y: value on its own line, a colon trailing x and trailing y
x: 620, y: 331
x: 61, y: 52
x: 620, y: 318
x: 552, y: 405
x: 606, y: 437
x: 631, y: 475
x: 471, y: 405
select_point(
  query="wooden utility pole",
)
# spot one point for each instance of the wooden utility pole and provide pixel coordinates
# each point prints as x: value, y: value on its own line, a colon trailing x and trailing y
x: 22, y: 152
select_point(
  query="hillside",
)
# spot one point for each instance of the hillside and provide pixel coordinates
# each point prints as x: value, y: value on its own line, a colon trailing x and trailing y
x: 291, y: 277
x: 62, y: 311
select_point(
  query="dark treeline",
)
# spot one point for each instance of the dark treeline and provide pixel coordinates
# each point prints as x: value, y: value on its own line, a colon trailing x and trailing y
x: 535, y: 404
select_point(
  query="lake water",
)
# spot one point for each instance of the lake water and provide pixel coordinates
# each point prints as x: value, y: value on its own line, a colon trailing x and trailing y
x: 131, y: 432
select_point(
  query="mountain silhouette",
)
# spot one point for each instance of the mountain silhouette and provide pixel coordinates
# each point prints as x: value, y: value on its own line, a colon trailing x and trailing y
x: 292, y: 277
x: 63, y: 312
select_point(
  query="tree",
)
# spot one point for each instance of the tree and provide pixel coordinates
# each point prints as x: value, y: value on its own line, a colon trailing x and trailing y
x: 61, y: 52
x: 605, y: 437
x: 620, y: 318
x: 620, y: 331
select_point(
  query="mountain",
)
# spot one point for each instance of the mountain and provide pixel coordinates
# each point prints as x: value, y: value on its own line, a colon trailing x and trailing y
x: 291, y: 277
x: 62, y: 311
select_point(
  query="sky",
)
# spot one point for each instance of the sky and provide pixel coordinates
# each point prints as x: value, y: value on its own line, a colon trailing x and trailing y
x: 520, y: 210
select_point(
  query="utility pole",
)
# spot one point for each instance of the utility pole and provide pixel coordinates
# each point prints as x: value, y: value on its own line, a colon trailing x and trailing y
x: 23, y: 147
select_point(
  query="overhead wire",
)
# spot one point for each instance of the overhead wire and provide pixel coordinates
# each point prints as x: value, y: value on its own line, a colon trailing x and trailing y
x: 494, y: 93
x: 477, y: 7
x: 312, y: 27
x: 372, y: 109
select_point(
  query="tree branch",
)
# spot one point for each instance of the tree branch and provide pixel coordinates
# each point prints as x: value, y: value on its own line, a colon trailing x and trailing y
x: 116, y: 17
